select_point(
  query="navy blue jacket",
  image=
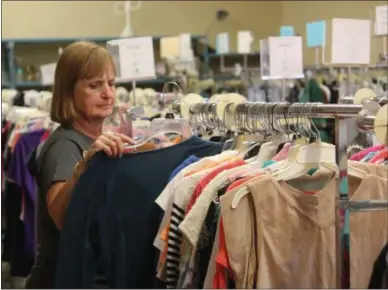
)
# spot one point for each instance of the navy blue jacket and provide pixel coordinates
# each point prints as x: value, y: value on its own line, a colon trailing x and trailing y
x: 113, y: 218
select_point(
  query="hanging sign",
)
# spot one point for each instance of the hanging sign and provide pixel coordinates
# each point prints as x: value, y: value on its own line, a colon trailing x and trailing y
x: 264, y: 59
x: 170, y: 47
x: 244, y: 42
x: 222, y: 43
x: 134, y: 58
x: 285, y: 57
x: 287, y: 31
x: 47, y: 72
x: 185, y: 50
x: 381, y: 25
x: 351, y: 40
x: 316, y: 34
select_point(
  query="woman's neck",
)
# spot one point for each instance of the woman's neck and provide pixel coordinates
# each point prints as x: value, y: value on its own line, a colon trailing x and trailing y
x: 88, y: 128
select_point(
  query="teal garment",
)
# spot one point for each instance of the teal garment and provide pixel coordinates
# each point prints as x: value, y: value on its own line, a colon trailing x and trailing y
x: 270, y: 162
x: 313, y: 93
x: 368, y: 157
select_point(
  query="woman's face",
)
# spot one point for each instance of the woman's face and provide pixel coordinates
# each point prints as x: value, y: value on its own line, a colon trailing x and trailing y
x: 94, y: 97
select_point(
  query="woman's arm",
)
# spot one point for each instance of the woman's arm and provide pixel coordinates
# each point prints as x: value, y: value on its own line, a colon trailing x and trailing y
x: 61, y: 186
x: 59, y: 194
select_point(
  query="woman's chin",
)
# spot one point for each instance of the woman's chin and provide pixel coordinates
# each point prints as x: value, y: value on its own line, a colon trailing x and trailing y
x: 104, y: 113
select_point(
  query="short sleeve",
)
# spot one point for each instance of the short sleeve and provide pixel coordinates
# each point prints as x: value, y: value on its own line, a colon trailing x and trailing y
x: 59, y: 162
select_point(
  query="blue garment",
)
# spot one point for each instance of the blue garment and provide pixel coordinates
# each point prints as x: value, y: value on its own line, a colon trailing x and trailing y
x: 192, y: 159
x: 113, y: 217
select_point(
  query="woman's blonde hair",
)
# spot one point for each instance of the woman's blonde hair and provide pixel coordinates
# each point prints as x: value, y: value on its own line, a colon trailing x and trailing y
x: 79, y: 60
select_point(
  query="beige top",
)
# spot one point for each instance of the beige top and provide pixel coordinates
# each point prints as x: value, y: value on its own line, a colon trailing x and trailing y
x: 282, y: 237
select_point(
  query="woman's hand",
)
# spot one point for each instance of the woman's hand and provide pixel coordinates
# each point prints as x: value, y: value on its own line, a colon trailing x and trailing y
x: 111, y: 143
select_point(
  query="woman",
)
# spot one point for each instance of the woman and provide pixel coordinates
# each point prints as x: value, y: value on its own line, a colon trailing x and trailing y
x: 83, y: 96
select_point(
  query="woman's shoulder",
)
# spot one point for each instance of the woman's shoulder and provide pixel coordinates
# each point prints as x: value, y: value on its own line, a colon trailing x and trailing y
x: 64, y: 135
x: 65, y: 140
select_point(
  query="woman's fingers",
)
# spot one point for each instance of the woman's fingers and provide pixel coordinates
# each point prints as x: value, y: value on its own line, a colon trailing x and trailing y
x: 112, y: 144
x: 119, y: 144
x: 125, y: 139
x: 107, y: 140
x: 101, y: 146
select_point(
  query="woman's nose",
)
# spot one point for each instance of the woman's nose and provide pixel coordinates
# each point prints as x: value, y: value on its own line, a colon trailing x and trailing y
x: 107, y: 91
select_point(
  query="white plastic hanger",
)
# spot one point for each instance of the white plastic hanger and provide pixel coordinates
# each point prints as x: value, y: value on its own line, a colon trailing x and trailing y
x: 308, y: 157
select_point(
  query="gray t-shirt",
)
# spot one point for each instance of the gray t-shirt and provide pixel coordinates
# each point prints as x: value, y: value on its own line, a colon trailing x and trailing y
x: 56, y: 161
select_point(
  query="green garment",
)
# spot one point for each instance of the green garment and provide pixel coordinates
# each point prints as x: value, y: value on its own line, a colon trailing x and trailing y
x: 313, y: 93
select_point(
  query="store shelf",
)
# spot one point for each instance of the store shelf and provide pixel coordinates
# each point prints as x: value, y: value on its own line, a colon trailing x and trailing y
x: 39, y: 85
x: 11, y: 46
x: 72, y: 39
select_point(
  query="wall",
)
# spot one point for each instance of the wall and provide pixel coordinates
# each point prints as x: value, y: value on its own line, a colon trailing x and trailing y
x: 297, y: 13
x: 42, y: 19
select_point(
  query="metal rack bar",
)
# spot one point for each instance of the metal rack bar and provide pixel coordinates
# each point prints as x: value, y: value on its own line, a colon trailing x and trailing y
x: 339, y: 112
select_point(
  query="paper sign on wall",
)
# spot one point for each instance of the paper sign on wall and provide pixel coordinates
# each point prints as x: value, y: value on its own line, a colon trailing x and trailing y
x: 222, y: 43
x: 285, y: 57
x: 244, y: 42
x: 264, y: 59
x: 381, y: 25
x: 185, y: 47
x: 316, y: 34
x: 47, y: 72
x: 350, y: 41
x: 287, y: 31
x: 134, y: 58
x: 170, y: 47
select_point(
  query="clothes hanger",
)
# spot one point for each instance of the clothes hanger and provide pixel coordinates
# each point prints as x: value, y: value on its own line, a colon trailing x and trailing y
x: 162, y: 127
x: 309, y: 156
x: 298, y: 163
x: 267, y: 123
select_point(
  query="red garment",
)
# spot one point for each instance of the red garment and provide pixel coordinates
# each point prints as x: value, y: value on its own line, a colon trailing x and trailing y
x: 45, y: 136
x: 205, y: 180
x: 6, y: 127
x: 222, y: 262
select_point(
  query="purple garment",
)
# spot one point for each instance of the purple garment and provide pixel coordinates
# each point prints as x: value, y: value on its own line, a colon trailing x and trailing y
x: 19, y: 173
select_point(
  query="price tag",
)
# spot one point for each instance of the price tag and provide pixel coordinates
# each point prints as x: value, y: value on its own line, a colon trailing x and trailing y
x: 316, y: 34
x: 287, y: 31
x: 351, y: 40
x: 170, y: 47
x: 47, y: 72
x: 264, y: 59
x: 244, y: 42
x: 134, y: 58
x: 381, y: 26
x: 222, y: 43
x: 285, y: 57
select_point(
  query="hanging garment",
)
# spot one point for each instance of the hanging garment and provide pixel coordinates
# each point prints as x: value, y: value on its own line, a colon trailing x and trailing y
x: 313, y: 93
x: 379, y: 278
x: 19, y: 173
x: 113, y: 215
x: 281, y: 213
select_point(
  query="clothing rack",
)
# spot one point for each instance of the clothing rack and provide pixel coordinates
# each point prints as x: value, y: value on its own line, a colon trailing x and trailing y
x: 340, y: 113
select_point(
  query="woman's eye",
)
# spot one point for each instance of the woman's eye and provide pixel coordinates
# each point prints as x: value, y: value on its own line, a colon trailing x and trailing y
x: 93, y: 86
